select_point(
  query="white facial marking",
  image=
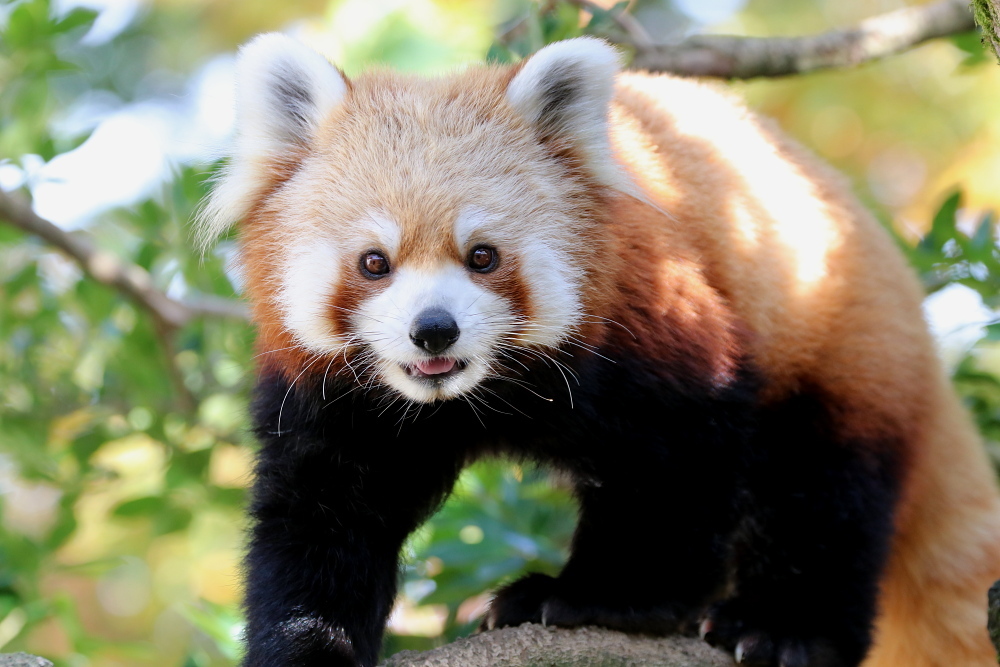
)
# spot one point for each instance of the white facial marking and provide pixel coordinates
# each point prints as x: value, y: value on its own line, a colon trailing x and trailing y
x: 311, y: 276
x: 468, y: 224
x: 385, y: 231
x: 545, y: 264
x: 308, y: 283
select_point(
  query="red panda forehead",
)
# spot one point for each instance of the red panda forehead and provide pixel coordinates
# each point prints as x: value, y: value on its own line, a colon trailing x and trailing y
x: 413, y: 128
x: 454, y: 103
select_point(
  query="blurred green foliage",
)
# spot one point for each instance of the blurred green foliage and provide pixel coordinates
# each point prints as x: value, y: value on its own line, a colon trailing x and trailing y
x: 123, y: 449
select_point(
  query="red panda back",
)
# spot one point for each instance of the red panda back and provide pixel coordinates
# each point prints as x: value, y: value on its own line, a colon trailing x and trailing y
x: 829, y: 303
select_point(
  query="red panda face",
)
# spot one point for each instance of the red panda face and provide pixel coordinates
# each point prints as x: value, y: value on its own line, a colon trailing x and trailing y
x: 432, y: 292
x: 419, y: 235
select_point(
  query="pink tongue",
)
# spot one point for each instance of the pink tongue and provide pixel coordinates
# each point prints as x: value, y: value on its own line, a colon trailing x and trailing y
x: 435, y: 366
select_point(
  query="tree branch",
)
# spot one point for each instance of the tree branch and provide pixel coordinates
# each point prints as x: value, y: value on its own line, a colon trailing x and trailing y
x: 731, y: 57
x: 634, y: 30
x: 537, y: 646
x: 130, y: 279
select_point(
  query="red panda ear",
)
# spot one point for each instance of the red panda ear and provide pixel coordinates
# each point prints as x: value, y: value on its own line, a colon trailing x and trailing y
x: 564, y: 90
x: 284, y: 89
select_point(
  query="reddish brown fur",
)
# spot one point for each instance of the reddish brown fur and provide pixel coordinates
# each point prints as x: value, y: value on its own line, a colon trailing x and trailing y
x: 855, y: 332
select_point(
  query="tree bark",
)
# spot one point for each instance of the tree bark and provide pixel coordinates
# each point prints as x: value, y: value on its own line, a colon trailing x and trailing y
x: 537, y: 646
x: 730, y: 57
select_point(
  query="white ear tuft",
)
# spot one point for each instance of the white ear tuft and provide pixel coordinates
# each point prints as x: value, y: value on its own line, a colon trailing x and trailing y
x: 564, y: 90
x: 284, y: 89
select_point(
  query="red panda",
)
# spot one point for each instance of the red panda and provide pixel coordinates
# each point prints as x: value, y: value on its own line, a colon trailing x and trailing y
x: 624, y: 276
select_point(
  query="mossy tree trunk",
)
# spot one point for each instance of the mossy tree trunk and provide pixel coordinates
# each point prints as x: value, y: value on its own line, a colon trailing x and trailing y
x: 987, y: 14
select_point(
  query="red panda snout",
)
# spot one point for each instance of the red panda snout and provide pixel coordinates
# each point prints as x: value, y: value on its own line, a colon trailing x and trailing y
x: 434, y: 330
x: 434, y: 333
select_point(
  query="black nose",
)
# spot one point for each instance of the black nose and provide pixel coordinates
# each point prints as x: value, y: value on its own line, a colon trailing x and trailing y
x: 434, y: 330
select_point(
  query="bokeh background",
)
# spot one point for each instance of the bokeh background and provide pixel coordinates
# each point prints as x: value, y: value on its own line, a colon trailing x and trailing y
x: 124, y: 453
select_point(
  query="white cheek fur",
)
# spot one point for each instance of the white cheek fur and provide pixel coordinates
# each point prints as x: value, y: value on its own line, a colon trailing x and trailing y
x: 553, y: 283
x: 554, y: 289
x: 308, y: 282
x: 311, y: 274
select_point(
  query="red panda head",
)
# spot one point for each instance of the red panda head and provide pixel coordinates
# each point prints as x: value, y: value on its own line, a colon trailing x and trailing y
x: 418, y: 234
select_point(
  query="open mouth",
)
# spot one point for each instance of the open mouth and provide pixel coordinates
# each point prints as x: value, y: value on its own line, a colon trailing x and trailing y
x: 436, y: 369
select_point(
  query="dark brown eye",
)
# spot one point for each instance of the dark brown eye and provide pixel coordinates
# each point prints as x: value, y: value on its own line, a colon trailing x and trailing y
x: 483, y: 259
x: 374, y: 265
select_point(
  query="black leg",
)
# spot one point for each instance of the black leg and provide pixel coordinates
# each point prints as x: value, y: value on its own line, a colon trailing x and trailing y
x: 330, y: 516
x: 649, y: 551
x: 810, y: 556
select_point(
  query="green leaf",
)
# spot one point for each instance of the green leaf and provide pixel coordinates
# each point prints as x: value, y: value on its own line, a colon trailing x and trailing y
x: 172, y: 519
x: 982, y: 239
x: 971, y: 44
x: 21, y: 27
x: 993, y: 332
x: 500, y: 54
x: 147, y: 506
x: 943, y: 226
x: 76, y: 18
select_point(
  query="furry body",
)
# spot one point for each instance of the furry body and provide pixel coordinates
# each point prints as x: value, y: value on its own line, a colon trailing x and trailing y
x: 743, y: 368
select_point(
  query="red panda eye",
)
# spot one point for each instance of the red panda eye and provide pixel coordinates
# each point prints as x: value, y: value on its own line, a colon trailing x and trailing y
x: 374, y: 265
x: 483, y: 259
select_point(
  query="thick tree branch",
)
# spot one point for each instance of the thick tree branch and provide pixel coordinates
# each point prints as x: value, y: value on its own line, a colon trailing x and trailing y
x: 749, y: 57
x: 537, y: 646
x: 131, y: 280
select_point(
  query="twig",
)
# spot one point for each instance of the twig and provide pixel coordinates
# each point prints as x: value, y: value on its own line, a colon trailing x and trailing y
x: 637, y: 35
x: 186, y: 399
x: 130, y: 279
x: 749, y: 57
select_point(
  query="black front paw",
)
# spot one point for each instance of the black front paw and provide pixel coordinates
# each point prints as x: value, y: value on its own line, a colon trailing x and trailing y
x: 538, y: 598
x: 663, y: 619
x: 304, y: 641
x: 519, y: 602
x: 758, y: 642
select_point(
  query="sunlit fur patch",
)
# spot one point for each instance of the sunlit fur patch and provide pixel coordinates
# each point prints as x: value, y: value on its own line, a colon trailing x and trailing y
x: 383, y: 324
